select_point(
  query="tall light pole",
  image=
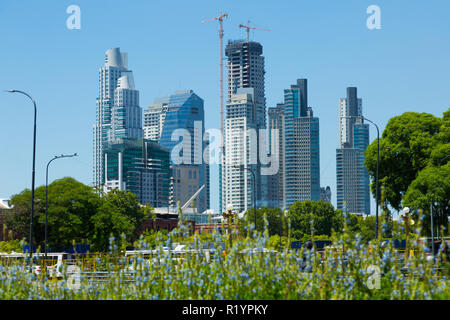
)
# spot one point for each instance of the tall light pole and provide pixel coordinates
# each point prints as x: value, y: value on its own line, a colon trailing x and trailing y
x: 46, y: 194
x: 33, y: 170
x: 431, y: 211
x: 254, y: 189
x: 378, y: 161
x: 432, y: 231
x: 405, y: 218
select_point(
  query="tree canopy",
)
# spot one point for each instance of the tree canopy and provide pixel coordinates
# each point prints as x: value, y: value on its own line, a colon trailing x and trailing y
x: 431, y: 190
x: 317, y: 217
x: 76, y: 212
x: 301, y: 216
x: 406, y: 146
x: 414, y: 151
x: 273, y: 216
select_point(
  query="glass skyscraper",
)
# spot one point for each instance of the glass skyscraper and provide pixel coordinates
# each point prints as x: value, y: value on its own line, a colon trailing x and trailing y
x: 139, y: 166
x: 299, y: 148
x: 183, y: 134
x: 352, y: 177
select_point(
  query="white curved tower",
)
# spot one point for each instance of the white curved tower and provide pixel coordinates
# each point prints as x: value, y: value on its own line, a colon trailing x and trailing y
x: 115, y: 68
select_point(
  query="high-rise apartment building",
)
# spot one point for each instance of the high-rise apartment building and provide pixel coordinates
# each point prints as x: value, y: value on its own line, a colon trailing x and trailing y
x: 241, y: 152
x: 353, y: 191
x: 246, y: 70
x: 245, y: 116
x: 154, y: 119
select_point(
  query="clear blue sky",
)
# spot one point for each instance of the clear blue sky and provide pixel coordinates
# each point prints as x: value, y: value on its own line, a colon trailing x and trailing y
x: 405, y: 66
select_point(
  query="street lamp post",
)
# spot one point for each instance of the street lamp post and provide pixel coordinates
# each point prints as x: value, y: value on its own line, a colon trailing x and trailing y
x: 46, y: 194
x: 33, y: 169
x: 378, y: 161
x: 406, y: 219
x: 432, y: 231
x: 254, y: 189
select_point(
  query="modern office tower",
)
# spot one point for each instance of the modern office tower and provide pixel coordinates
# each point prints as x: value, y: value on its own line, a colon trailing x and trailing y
x: 325, y: 194
x: 276, y: 187
x: 353, y: 193
x: 301, y: 146
x: 116, y: 64
x: 348, y: 107
x: 183, y: 134
x: 139, y: 166
x: 245, y: 110
x: 154, y: 119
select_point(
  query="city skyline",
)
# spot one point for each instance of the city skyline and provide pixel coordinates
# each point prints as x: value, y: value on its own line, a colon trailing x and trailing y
x: 51, y: 113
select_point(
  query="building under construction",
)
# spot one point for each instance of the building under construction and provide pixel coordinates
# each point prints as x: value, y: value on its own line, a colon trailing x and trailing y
x: 245, y: 110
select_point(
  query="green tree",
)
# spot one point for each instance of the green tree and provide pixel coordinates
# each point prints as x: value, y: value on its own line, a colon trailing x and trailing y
x: 151, y: 237
x: 278, y: 243
x: 77, y: 213
x: 70, y: 205
x: 431, y: 188
x: 273, y: 216
x: 319, y: 214
x: 10, y: 246
x: 367, y: 228
x: 120, y: 213
x: 406, y: 146
x: 364, y: 226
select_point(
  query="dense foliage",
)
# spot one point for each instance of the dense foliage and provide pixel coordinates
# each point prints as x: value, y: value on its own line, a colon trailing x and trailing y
x: 11, y: 246
x: 414, y: 164
x: 306, y: 218
x: 76, y: 213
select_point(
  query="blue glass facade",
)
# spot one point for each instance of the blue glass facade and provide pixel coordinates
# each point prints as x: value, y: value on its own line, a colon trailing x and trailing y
x: 361, y: 142
x: 302, y: 156
x: 184, y: 121
x: 142, y: 167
